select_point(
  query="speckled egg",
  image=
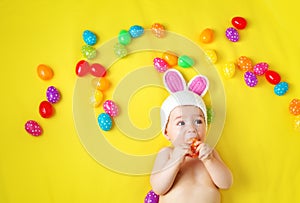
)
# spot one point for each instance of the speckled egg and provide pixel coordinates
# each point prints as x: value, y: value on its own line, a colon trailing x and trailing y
x: 136, y: 31
x: 105, y: 121
x: 111, y: 108
x: 89, y: 37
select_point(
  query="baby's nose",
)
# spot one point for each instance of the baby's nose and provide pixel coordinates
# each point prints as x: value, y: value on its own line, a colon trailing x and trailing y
x: 191, y: 129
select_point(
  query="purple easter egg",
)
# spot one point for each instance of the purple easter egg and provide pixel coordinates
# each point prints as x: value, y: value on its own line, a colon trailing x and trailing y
x: 53, y: 95
x: 250, y: 79
x: 151, y: 197
x: 232, y: 34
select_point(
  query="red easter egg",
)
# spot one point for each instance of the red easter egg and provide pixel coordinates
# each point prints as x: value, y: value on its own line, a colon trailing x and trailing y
x: 239, y: 22
x: 82, y: 68
x: 272, y: 77
x: 46, y: 109
x: 97, y: 70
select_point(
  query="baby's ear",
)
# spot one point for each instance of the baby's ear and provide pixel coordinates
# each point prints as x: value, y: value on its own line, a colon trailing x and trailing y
x: 174, y: 81
x: 199, y: 85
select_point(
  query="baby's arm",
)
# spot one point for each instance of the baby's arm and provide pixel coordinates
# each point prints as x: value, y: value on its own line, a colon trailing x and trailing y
x: 219, y: 172
x: 166, y: 167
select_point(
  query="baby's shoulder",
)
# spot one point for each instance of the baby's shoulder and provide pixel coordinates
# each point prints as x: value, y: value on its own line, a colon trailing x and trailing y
x: 165, y: 152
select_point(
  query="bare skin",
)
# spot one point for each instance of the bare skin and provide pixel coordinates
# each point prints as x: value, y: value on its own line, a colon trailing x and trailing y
x: 177, y: 177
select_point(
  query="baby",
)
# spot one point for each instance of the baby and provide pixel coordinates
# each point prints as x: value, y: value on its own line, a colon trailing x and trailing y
x: 190, y: 171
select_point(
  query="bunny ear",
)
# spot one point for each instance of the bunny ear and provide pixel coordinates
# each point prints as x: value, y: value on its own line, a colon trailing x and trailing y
x: 174, y: 81
x: 199, y: 85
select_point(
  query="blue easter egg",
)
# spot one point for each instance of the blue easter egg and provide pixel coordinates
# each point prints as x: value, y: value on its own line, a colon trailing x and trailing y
x: 136, y: 31
x: 104, y: 121
x: 281, y: 88
x: 89, y: 37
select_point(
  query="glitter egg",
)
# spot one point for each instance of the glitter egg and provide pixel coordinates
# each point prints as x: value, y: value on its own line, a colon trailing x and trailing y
x: 229, y: 69
x: 89, y: 37
x: 260, y: 68
x: 111, y: 108
x: 281, y: 88
x: 212, y: 55
x: 294, y: 107
x: 136, y: 31
x: 33, y: 128
x: 124, y: 37
x: 244, y: 63
x: 170, y: 58
x: 151, y: 197
x: 160, y: 64
x: 88, y: 52
x: 232, y: 34
x: 52, y: 94
x: 120, y: 50
x: 104, y: 121
x: 158, y: 30
x: 239, y: 22
x: 207, y: 35
x: 250, y: 79
x: 185, y: 61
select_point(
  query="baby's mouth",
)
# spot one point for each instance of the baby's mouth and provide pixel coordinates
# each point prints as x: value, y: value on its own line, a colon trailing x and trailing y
x: 190, y: 136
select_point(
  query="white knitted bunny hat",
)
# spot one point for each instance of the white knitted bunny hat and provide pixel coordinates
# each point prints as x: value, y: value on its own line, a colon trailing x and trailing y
x: 182, y: 94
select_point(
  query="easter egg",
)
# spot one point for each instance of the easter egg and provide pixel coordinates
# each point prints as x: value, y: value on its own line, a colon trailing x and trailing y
x: 101, y: 83
x: 88, y: 52
x: 151, y: 197
x: 136, y: 31
x: 33, y: 128
x: 120, y: 50
x: 239, y: 22
x: 229, y: 69
x: 207, y: 35
x: 160, y: 64
x: 82, y: 68
x: 97, y: 70
x: 170, y: 58
x: 210, y: 114
x: 212, y: 55
x: 89, y: 37
x: 46, y: 109
x: 260, y: 68
x: 244, y: 63
x: 96, y: 98
x: 124, y: 37
x: 52, y: 94
x: 158, y: 30
x: 232, y: 34
x: 250, y: 79
x: 44, y: 72
x: 104, y: 121
x: 294, y: 107
x: 272, y: 77
x: 281, y: 88
x: 193, y: 148
x: 111, y: 108
x: 185, y: 61
x: 297, y: 123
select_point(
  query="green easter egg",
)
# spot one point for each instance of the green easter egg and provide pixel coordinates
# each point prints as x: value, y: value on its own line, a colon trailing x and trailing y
x: 124, y: 37
x: 185, y: 61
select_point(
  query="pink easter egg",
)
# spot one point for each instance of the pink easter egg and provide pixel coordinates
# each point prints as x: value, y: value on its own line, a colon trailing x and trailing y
x: 97, y: 70
x: 33, y: 128
x: 111, y: 108
x: 260, y: 68
x: 160, y: 64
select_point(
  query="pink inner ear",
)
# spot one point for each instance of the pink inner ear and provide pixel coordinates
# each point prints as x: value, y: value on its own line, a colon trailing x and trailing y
x: 174, y: 82
x: 198, y: 85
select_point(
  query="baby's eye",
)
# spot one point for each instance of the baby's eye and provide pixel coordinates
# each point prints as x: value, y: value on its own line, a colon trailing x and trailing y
x: 198, y: 121
x: 180, y: 123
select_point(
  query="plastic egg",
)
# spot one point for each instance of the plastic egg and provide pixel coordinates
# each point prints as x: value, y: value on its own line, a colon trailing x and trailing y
x: 44, y: 72
x: 82, y: 68
x: 111, y: 108
x: 124, y: 37
x: 88, y: 52
x: 158, y: 30
x: 185, y: 61
x: 170, y: 58
x: 46, y: 109
x: 260, y: 68
x: 250, y: 79
x: 89, y: 37
x: 160, y: 64
x: 297, y: 123
x: 104, y: 121
x: 120, y: 50
x: 281, y: 88
x: 239, y: 22
x: 232, y: 34
x: 33, y: 128
x: 97, y: 70
x: 212, y: 55
x: 52, y: 94
x: 151, y: 197
x: 244, y: 63
x: 136, y: 31
x: 229, y: 69
x: 207, y: 35
x: 101, y: 83
x: 210, y: 114
x: 294, y: 107
x: 272, y: 77
x: 96, y: 98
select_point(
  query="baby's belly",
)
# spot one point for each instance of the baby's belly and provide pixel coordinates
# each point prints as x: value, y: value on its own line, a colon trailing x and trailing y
x: 191, y: 194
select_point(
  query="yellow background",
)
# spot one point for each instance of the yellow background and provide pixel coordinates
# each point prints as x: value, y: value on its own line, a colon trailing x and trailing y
x: 259, y: 142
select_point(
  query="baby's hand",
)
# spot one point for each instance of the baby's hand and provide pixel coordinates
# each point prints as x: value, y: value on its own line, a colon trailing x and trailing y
x: 205, y: 151
x: 194, y: 144
x: 180, y: 151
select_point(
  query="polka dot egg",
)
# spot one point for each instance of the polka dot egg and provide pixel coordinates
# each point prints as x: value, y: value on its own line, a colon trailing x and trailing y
x: 260, y: 68
x: 33, y: 128
x: 111, y: 108
x: 281, y: 88
x: 104, y: 121
x: 232, y: 34
x: 89, y: 37
x: 294, y: 107
x: 250, y: 79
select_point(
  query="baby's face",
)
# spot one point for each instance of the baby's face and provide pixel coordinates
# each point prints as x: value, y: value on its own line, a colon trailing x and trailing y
x: 186, y: 122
